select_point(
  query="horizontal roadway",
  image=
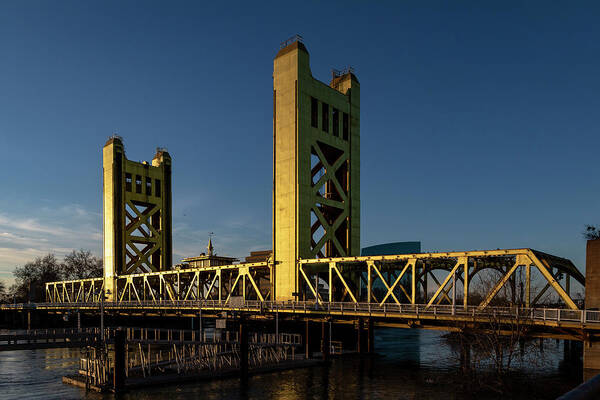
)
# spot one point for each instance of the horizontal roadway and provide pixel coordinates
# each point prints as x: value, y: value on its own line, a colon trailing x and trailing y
x: 402, y: 315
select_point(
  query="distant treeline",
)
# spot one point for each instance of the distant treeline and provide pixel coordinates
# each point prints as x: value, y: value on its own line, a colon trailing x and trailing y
x: 31, y: 278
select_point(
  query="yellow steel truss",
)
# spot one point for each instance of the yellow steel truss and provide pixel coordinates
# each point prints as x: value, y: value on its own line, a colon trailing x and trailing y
x: 249, y: 281
x: 401, y: 278
x: 460, y: 267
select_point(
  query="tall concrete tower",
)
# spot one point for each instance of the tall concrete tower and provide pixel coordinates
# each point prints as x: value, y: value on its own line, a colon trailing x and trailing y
x: 137, y: 213
x: 316, y: 165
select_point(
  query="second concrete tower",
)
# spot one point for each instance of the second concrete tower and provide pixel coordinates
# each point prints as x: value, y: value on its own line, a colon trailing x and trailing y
x: 316, y: 166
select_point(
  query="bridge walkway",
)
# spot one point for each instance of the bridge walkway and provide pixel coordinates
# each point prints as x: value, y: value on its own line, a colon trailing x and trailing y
x: 541, y: 322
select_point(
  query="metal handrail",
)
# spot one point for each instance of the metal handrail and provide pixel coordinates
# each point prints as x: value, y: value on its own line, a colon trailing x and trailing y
x: 350, y: 308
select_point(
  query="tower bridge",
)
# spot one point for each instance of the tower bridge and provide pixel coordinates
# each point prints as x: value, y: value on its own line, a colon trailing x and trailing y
x: 315, y: 272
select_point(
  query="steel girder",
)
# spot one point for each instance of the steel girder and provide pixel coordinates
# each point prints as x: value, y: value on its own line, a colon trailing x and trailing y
x: 250, y: 281
x: 410, y: 278
x: 398, y: 279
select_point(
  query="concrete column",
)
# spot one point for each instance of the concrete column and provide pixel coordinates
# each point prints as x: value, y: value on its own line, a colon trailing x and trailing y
x: 120, y: 362
x: 325, y: 340
x: 277, y: 327
x: 360, y: 348
x: 591, y: 350
x: 200, y: 336
x: 465, y: 356
x: 243, y: 348
x: 566, y: 350
x: 307, y: 352
x: 370, y: 336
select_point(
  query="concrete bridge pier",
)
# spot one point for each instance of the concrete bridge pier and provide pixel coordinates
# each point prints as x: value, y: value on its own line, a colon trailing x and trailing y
x: 119, y: 363
x: 370, y: 336
x: 591, y: 347
x: 325, y: 339
x: 307, y: 342
x: 465, y: 356
x: 572, y: 351
x: 243, y: 348
x: 360, y: 337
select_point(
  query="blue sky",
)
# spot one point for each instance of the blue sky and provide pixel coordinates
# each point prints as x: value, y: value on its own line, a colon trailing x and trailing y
x: 479, y: 121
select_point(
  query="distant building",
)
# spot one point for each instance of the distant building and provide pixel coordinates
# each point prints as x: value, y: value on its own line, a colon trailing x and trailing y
x: 387, y: 249
x: 209, y: 259
x: 259, y: 256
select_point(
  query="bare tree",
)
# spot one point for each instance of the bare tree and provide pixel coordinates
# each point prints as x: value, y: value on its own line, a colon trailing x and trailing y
x: 81, y: 264
x: 30, y: 279
x: 2, y: 292
x: 591, y: 232
x: 501, y: 341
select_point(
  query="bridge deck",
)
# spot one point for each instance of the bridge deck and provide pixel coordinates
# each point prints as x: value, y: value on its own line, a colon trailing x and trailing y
x: 542, y: 322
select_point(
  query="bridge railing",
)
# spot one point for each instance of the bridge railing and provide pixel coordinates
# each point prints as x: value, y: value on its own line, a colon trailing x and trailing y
x: 343, y: 308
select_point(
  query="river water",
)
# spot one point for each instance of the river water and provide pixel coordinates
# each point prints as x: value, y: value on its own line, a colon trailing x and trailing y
x: 412, y: 364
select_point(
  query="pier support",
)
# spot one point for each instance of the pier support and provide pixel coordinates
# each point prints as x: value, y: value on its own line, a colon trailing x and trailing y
x: 465, y: 356
x: 591, y: 349
x: 243, y: 348
x: 360, y: 348
x: 325, y: 340
x: 370, y: 336
x: 120, y: 364
x: 307, y: 351
x: 200, y: 328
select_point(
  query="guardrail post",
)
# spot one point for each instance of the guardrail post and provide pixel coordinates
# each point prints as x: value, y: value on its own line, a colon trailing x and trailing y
x: 544, y: 314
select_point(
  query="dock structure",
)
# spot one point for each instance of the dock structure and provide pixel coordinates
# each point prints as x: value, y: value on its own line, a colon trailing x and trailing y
x: 141, y: 357
x: 314, y: 274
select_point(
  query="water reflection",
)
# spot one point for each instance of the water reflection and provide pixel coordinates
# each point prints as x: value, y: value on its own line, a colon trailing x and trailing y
x: 412, y: 364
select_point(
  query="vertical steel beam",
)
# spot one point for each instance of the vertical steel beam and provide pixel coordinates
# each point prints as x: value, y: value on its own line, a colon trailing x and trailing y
x: 331, y: 265
x: 220, y: 283
x: 454, y: 291
x: 528, y: 284
x: 413, y: 291
x: 369, y: 280
x: 466, y: 285
x: 425, y: 281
